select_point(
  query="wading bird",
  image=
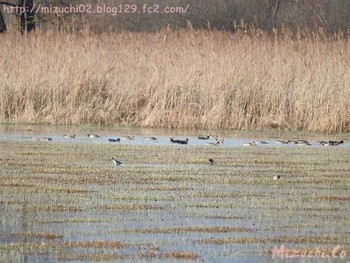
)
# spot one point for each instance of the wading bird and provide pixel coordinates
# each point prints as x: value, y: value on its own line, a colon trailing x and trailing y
x: 116, y: 162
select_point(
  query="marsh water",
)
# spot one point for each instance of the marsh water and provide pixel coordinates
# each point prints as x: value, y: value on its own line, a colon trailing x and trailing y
x: 63, y: 200
x: 140, y: 135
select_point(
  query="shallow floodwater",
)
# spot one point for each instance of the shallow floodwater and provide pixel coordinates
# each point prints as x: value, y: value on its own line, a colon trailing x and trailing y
x: 163, y: 201
x: 231, y: 138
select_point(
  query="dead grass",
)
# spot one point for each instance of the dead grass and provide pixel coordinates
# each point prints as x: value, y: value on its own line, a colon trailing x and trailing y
x: 54, y: 208
x: 281, y: 239
x: 36, y: 235
x: 81, y: 244
x: 333, y: 198
x: 132, y: 207
x: 182, y: 79
x: 90, y: 257
x: 235, y: 206
x: 182, y: 255
x: 208, y: 229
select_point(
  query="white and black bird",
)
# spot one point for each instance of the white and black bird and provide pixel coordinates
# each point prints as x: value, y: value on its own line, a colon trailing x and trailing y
x: 277, y: 177
x: 116, y: 162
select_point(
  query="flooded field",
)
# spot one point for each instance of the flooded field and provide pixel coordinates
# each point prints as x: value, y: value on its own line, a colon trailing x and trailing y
x: 64, y: 200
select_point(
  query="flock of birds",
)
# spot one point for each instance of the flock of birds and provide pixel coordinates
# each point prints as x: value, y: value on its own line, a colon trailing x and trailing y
x: 296, y: 142
x: 210, y: 140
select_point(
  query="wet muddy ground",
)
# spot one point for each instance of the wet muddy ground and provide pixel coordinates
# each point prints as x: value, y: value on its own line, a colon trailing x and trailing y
x: 64, y: 200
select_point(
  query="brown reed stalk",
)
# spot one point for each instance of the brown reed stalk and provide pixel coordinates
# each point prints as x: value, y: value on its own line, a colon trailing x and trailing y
x: 178, y: 79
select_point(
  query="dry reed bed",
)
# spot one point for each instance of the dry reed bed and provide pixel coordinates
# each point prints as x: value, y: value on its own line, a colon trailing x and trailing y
x: 183, y: 79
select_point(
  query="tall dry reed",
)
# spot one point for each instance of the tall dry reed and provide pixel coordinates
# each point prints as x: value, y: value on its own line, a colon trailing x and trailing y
x: 182, y: 79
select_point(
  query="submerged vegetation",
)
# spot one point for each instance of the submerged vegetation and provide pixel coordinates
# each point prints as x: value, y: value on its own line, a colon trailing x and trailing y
x: 178, y: 79
x: 67, y: 201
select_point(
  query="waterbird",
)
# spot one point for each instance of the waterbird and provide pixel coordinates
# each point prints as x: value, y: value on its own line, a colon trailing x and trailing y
x: 282, y: 142
x: 211, y: 161
x: 179, y: 141
x: 69, y: 136
x: 116, y: 162
x: 333, y: 143
x: 249, y: 144
x: 276, y: 177
x: 221, y: 140
x: 303, y: 142
x: 203, y: 137
x: 260, y: 142
x: 114, y: 140
x: 340, y: 142
x: 322, y: 142
x: 151, y: 138
x: 42, y: 139
x: 128, y: 137
x: 93, y: 136
x: 213, y: 143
